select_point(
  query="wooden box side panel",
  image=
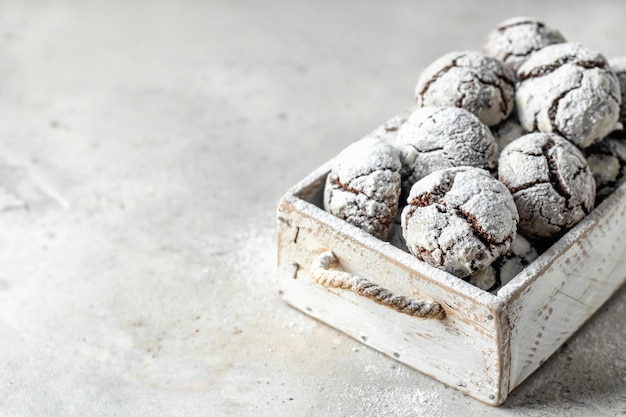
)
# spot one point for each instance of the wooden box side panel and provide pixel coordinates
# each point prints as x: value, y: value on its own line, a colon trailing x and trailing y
x: 463, y: 350
x: 583, y: 271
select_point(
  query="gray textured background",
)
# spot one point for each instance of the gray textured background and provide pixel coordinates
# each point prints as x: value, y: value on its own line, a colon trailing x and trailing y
x: 144, y: 146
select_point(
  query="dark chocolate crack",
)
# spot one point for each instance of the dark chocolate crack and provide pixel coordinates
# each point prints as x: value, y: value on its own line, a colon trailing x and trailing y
x: 425, y: 254
x: 615, y: 98
x: 504, y: 103
x: 474, y: 236
x: 525, y: 186
x: 433, y: 196
x: 542, y: 70
x: 430, y: 117
x: 338, y: 185
x: 477, y: 229
x: 439, y: 74
x: 347, y: 187
x: 553, y: 173
x: 526, y: 54
x: 418, y: 150
x: 554, y: 107
x: 344, y: 187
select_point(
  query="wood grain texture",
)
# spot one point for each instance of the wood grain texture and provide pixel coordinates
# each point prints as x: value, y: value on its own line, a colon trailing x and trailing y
x: 487, y: 344
x: 566, y: 285
x: 462, y: 350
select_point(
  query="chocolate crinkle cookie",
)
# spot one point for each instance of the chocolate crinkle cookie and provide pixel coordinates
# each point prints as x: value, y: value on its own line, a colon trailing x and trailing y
x: 551, y: 183
x: 459, y: 220
x: 478, y: 83
x: 569, y: 90
x: 435, y: 138
x: 513, y: 40
x: 506, y: 267
x: 607, y: 162
x: 618, y: 65
x: 363, y: 186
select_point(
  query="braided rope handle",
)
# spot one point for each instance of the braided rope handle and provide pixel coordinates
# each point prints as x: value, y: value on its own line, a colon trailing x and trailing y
x: 324, y: 272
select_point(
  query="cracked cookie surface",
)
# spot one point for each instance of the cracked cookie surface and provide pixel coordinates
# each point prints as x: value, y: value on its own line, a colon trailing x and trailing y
x: 459, y: 220
x: 470, y: 80
x: 513, y: 40
x: 436, y: 138
x: 550, y: 181
x: 363, y: 186
x: 569, y: 90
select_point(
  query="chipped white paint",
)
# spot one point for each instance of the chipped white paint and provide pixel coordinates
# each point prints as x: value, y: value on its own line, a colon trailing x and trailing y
x: 487, y: 344
x: 558, y: 292
x: 325, y: 271
x: 461, y: 350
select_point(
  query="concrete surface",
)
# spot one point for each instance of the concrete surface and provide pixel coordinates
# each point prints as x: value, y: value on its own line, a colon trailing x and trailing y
x: 144, y: 146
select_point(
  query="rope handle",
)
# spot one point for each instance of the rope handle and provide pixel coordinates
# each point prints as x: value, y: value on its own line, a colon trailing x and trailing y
x: 324, y: 272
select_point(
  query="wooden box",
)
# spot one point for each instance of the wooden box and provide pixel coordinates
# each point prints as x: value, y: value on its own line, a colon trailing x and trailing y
x: 480, y: 343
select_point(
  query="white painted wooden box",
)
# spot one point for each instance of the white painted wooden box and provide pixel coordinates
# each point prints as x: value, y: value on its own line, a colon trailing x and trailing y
x: 480, y: 343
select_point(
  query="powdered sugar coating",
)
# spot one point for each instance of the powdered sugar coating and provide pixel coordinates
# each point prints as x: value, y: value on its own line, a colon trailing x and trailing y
x: 569, y: 90
x: 551, y: 183
x: 513, y: 40
x: 468, y: 79
x: 459, y: 220
x: 363, y: 187
x: 505, y: 268
x: 435, y: 138
x: 618, y: 66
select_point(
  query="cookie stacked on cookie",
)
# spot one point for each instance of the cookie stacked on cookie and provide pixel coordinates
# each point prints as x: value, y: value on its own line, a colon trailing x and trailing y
x: 505, y: 151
